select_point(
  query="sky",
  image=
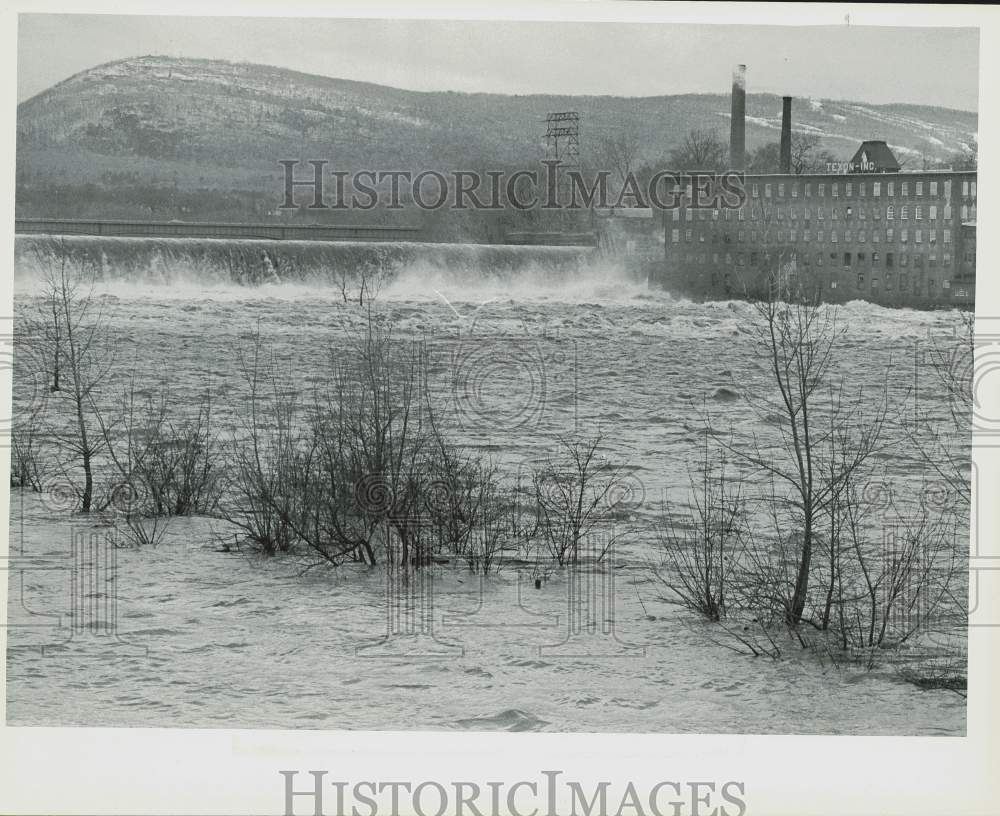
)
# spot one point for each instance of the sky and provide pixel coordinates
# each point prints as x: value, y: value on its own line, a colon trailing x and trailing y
x: 932, y: 66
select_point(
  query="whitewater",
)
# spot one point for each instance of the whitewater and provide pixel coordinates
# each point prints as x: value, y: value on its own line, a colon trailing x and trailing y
x: 525, y: 344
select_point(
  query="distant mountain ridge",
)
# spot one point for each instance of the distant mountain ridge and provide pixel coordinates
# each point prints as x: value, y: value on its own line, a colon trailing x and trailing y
x: 209, y: 125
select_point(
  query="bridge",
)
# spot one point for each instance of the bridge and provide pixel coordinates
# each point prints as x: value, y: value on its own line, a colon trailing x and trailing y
x: 204, y: 229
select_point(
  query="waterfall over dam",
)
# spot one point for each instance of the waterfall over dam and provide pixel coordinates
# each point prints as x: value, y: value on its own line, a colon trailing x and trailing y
x: 255, y: 262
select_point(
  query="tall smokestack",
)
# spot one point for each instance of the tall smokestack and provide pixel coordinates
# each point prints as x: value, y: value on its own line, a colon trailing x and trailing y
x: 786, y: 134
x: 737, y: 132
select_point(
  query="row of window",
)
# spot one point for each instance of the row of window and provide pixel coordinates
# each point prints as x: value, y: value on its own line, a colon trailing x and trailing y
x: 846, y: 259
x: 892, y: 213
x: 919, y: 287
x: 848, y: 236
x: 861, y: 189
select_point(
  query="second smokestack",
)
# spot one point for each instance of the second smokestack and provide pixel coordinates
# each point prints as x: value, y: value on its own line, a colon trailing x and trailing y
x: 737, y: 129
x: 786, y: 134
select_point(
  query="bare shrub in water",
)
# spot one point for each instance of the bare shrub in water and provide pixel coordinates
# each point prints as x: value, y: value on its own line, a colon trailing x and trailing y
x: 80, y: 345
x: 265, y: 463
x: 578, y: 494
x: 705, y: 544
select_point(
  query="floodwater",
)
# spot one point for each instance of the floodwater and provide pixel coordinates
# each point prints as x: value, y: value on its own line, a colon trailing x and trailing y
x: 189, y: 635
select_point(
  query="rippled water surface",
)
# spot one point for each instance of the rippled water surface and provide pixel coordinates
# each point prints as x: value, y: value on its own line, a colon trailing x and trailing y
x: 204, y: 638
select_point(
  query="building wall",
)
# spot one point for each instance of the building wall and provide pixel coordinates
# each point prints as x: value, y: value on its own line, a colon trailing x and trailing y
x: 899, y: 239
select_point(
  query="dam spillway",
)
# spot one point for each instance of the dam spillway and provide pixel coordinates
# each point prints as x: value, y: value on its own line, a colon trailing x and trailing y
x: 250, y: 262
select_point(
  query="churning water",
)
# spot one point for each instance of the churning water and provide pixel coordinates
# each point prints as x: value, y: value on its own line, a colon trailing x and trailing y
x: 527, y: 344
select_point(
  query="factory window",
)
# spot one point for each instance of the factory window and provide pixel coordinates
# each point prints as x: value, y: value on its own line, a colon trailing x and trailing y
x: 687, y: 235
x: 753, y: 259
x: 918, y: 236
x: 930, y: 285
x: 755, y: 192
x: 848, y: 189
x: 947, y: 212
x: 791, y: 213
x: 965, y: 189
x: 781, y: 237
x: 675, y: 236
x: 688, y: 215
x: 947, y: 236
x: 918, y: 213
x: 767, y: 191
x: 965, y: 212
x: 904, y: 282
x: 904, y: 213
x: 850, y: 212
x: 889, y: 234
x: 791, y: 235
x: 890, y: 213
x: 903, y: 260
x: 819, y: 235
x: 888, y: 260
x: 932, y: 213
x: 847, y: 259
x: 715, y: 215
x: 861, y: 257
x: 795, y: 191
x: 874, y: 259
x: 861, y: 236
x: 833, y: 284
x: 819, y: 259
x: 861, y: 213
x: 779, y: 214
x: 809, y: 191
x: 861, y: 280
x: 781, y: 191
x: 934, y: 190
x: 806, y: 235
x: 701, y: 237
x: 820, y: 189
x: 932, y: 236
x: 877, y: 213
x: 918, y: 261
x: 890, y: 189
x: 741, y: 259
x: 819, y: 213
x: 742, y: 213
x: 677, y: 215
x: 876, y: 189
x: 903, y: 236
x: 834, y: 213
x: 973, y: 189
x: 861, y: 189
x: 904, y: 188
x: 847, y: 236
x: 947, y: 189
x: 835, y: 190
x: 932, y: 261
x: 875, y: 285
x: 876, y: 236
x: 920, y: 188
x: 833, y: 236
x: 740, y: 236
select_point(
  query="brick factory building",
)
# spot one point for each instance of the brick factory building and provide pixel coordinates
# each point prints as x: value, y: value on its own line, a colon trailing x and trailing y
x: 862, y: 231
x: 901, y: 239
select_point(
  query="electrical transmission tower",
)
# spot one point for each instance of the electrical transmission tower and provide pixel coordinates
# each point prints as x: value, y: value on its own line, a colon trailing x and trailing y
x: 564, y: 125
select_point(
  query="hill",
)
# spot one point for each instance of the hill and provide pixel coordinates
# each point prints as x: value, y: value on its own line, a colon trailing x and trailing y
x: 168, y: 137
